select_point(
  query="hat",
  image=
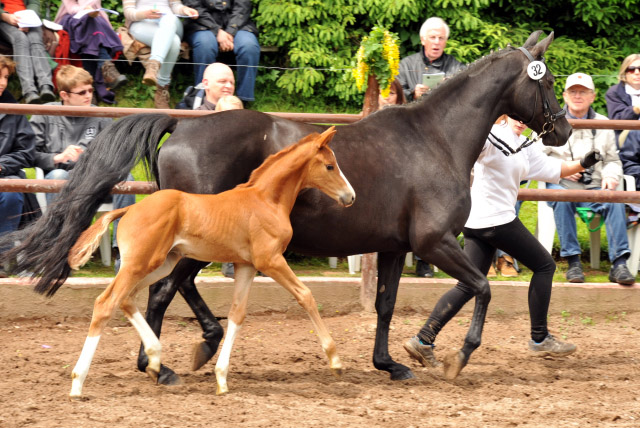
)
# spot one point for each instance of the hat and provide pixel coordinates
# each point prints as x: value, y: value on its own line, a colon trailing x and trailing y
x: 579, y: 79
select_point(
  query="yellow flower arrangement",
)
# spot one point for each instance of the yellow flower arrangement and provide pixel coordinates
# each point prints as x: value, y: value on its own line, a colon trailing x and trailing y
x: 378, y: 54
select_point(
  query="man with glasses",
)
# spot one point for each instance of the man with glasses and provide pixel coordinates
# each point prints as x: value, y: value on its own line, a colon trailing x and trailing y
x: 60, y: 140
x: 579, y: 94
x: 434, y: 34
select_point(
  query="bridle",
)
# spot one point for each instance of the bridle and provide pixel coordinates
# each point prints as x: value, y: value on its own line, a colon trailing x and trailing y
x: 549, y: 117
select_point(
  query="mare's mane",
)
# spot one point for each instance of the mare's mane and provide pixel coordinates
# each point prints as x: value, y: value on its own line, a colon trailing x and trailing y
x: 258, y: 172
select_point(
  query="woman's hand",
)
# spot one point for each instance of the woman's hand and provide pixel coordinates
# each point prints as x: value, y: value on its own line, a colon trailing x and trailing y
x: 190, y: 12
x: 10, y: 19
x: 152, y: 14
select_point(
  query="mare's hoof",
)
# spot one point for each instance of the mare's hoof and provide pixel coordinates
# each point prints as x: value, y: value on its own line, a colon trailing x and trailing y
x: 168, y: 377
x: 337, y: 371
x: 403, y: 373
x: 202, y: 353
x: 453, y: 364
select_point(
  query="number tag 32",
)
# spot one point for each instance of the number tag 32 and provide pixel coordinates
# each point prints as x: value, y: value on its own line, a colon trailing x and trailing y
x: 536, y: 70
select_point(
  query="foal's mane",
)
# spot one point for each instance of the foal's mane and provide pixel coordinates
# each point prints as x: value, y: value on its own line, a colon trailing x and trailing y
x: 259, y: 172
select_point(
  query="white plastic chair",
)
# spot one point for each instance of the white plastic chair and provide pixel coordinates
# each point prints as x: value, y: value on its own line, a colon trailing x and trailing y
x: 105, y: 241
x: 546, y: 228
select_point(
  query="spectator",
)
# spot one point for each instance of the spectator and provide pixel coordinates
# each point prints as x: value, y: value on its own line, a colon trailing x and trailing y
x: 17, y: 151
x: 493, y: 224
x: 225, y: 26
x: 579, y: 94
x: 92, y: 37
x: 396, y: 96
x: 229, y: 102
x: 60, y: 140
x: 434, y: 34
x: 154, y: 23
x: 32, y: 63
x: 218, y: 81
x: 630, y: 157
x: 623, y: 98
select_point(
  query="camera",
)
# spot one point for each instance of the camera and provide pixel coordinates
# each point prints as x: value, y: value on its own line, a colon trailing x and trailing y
x: 586, y: 177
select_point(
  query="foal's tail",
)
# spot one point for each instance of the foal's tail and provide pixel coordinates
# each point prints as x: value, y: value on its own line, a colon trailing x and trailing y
x: 90, y: 238
x: 42, y: 248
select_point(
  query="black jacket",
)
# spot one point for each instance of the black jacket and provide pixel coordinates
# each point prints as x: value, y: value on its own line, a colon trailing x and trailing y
x: 17, y: 141
x: 229, y: 15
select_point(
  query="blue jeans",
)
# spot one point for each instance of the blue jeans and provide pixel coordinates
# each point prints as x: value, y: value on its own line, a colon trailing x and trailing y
x: 246, y: 50
x: 10, y: 211
x: 614, y: 217
x: 163, y: 35
x: 119, y: 200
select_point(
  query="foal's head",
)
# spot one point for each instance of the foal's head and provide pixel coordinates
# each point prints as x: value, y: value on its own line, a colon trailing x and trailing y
x: 323, y: 172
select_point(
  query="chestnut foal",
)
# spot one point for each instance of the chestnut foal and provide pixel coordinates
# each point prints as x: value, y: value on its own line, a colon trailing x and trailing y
x: 248, y: 225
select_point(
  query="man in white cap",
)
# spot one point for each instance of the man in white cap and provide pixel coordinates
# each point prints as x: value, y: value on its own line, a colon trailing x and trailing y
x: 579, y: 94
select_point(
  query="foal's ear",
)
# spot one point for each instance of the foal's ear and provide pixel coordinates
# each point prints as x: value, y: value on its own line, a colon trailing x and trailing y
x: 326, y: 137
x: 532, y: 40
x: 541, y: 47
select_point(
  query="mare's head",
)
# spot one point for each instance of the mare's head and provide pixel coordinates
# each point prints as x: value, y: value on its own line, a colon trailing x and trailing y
x: 533, y: 100
x: 323, y: 172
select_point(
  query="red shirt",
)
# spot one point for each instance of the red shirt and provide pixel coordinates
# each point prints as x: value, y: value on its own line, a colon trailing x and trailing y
x: 12, y: 6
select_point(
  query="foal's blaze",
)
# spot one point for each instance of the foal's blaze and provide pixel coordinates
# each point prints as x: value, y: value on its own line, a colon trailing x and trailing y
x: 248, y: 226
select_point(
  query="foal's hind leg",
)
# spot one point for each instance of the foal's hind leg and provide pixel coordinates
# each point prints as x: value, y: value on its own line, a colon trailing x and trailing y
x: 244, y: 275
x: 278, y: 269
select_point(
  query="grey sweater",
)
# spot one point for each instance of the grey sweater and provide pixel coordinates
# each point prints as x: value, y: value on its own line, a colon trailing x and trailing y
x: 56, y: 133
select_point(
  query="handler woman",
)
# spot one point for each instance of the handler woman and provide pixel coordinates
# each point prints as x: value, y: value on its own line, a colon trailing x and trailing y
x: 493, y: 224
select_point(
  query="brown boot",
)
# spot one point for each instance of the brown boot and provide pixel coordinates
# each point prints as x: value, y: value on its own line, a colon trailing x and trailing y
x: 151, y: 73
x: 505, y: 266
x: 161, y: 100
x: 111, y: 76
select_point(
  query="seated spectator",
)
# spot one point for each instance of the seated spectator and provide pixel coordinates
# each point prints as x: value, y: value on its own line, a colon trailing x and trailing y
x: 225, y: 27
x: 395, y: 97
x: 92, y: 38
x: 578, y: 95
x: 60, y: 140
x: 623, y: 98
x: 154, y: 23
x: 218, y: 81
x: 17, y: 151
x: 434, y: 34
x: 229, y: 102
x: 630, y: 157
x: 32, y: 61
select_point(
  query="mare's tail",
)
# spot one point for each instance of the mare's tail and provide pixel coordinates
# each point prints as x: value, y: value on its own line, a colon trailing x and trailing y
x: 42, y: 248
x: 82, y: 250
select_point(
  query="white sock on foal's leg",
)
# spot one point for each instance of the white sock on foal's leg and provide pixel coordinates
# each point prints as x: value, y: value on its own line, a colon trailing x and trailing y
x: 79, y: 373
x: 152, y: 346
x: 222, y: 366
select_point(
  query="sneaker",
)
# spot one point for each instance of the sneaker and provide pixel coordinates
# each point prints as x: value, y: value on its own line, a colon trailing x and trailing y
x: 621, y: 275
x: 227, y: 270
x: 574, y: 274
x: 423, y: 270
x: 3, y: 274
x: 505, y: 266
x: 421, y: 353
x: 32, y: 98
x: 47, y: 95
x: 551, y: 346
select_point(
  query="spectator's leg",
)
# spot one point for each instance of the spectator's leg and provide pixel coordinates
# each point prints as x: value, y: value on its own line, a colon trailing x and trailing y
x: 56, y: 174
x: 121, y: 201
x: 164, y: 37
x: 10, y: 212
x: 615, y: 221
x: 564, y: 215
x: 22, y: 57
x: 247, y: 51
x: 204, y: 47
x: 40, y: 59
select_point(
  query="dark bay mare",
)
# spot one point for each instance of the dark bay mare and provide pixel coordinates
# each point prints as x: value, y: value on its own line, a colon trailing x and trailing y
x: 409, y: 165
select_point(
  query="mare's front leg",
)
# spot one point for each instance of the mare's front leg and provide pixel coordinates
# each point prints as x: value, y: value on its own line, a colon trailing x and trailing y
x: 243, y: 276
x: 277, y: 268
x: 389, y: 272
x: 449, y: 256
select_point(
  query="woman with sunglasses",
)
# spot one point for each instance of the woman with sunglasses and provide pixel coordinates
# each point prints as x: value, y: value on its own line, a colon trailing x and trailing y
x: 623, y: 98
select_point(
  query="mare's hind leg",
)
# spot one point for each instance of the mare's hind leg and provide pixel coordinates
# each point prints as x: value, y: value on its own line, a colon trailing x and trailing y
x: 449, y: 257
x: 160, y: 296
x: 278, y: 269
x: 244, y: 275
x: 389, y: 272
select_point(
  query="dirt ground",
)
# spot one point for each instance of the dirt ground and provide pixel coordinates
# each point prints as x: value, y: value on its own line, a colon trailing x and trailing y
x: 280, y: 378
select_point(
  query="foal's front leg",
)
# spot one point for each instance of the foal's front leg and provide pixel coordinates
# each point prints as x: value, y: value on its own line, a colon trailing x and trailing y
x: 279, y: 270
x: 244, y: 275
